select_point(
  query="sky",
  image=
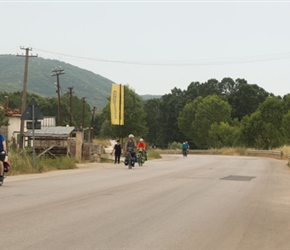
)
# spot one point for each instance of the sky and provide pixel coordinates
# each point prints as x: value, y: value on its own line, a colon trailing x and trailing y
x: 155, y: 46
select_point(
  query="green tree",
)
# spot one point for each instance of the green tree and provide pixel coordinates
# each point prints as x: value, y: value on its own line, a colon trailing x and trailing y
x: 152, y: 109
x: 252, y: 130
x: 187, y: 117
x: 134, y: 118
x: 170, y: 106
x: 272, y: 112
x: 263, y: 129
x: 196, y: 118
x: 246, y: 99
x: 211, y: 87
x: 81, y: 111
x: 3, y: 119
x: 286, y: 101
x: 286, y: 128
x: 227, y: 86
x: 223, y: 135
x: 193, y: 91
x: 212, y: 109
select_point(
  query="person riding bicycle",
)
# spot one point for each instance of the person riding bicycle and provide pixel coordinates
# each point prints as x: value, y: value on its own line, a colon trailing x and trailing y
x: 130, y: 148
x: 184, y: 149
x: 3, y: 154
x: 142, y: 146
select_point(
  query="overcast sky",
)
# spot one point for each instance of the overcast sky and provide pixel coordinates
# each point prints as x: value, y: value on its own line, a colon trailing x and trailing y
x: 154, y: 46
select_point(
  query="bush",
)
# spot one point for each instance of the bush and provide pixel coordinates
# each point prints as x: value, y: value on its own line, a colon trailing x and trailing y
x: 152, y: 154
x: 174, y: 145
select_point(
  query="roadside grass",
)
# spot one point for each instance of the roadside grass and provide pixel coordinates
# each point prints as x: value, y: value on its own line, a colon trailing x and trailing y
x: 152, y: 154
x: 22, y: 163
x: 233, y: 151
x: 286, y: 151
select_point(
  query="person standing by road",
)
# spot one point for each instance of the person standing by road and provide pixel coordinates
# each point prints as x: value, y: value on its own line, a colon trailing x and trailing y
x: 3, y: 154
x: 118, y: 150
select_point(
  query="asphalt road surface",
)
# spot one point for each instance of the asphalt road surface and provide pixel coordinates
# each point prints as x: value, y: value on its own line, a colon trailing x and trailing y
x: 198, y: 202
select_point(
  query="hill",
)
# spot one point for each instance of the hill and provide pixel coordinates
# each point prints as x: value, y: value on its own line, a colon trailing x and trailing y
x: 94, y: 87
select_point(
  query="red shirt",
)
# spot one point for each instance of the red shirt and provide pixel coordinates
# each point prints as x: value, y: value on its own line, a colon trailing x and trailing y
x: 141, y: 144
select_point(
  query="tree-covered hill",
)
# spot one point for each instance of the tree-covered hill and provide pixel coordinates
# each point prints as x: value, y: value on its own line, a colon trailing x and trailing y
x: 94, y: 87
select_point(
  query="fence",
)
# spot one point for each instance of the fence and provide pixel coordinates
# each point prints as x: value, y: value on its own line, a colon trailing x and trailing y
x: 215, y: 151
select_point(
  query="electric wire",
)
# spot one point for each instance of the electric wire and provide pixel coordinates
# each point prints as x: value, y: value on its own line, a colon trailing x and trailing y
x: 216, y: 61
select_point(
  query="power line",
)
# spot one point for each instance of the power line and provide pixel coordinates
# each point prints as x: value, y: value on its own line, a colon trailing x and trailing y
x: 200, y: 62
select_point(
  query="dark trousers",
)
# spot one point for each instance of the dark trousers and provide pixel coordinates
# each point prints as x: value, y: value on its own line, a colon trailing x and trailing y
x: 2, y: 158
x: 117, y: 158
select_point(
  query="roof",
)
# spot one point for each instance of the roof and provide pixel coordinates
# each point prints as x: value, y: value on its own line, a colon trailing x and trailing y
x: 55, y: 132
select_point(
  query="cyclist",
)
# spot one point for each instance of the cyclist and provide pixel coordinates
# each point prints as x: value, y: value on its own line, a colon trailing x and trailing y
x: 184, y: 147
x: 141, y: 145
x: 3, y: 153
x: 130, y: 148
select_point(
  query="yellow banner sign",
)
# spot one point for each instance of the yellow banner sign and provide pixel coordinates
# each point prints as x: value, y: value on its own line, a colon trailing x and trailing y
x: 117, y: 104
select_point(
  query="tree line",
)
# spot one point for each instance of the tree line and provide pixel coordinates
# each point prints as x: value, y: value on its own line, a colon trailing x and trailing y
x: 213, y: 114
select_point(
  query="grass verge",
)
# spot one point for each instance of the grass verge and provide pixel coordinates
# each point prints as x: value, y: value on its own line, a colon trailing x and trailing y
x: 22, y: 163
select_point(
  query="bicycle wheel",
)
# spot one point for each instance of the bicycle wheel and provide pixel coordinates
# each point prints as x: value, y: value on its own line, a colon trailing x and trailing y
x: 130, y: 163
x: 140, y: 159
x: 184, y: 153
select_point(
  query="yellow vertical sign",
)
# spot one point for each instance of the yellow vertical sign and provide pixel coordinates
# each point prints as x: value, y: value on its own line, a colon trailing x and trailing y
x: 117, y: 104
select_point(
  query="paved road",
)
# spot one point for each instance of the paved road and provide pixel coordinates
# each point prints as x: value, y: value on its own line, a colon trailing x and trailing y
x: 198, y: 202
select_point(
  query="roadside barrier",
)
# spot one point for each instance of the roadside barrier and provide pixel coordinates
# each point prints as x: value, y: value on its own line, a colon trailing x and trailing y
x: 191, y: 151
x: 265, y: 152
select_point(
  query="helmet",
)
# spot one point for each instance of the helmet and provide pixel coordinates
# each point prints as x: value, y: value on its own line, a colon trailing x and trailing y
x: 131, y: 136
x: 141, y: 139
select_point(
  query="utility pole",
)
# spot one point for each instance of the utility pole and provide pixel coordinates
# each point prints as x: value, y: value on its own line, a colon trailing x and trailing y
x: 70, y: 105
x: 56, y: 72
x: 83, y: 116
x: 92, y: 123
x: 23, y: 107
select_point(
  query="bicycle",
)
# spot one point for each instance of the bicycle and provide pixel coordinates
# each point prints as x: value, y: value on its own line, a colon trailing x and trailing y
x: 130, y: 157
x: 140, y: 157
x: 6, y: 166
x: 184, y: 152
